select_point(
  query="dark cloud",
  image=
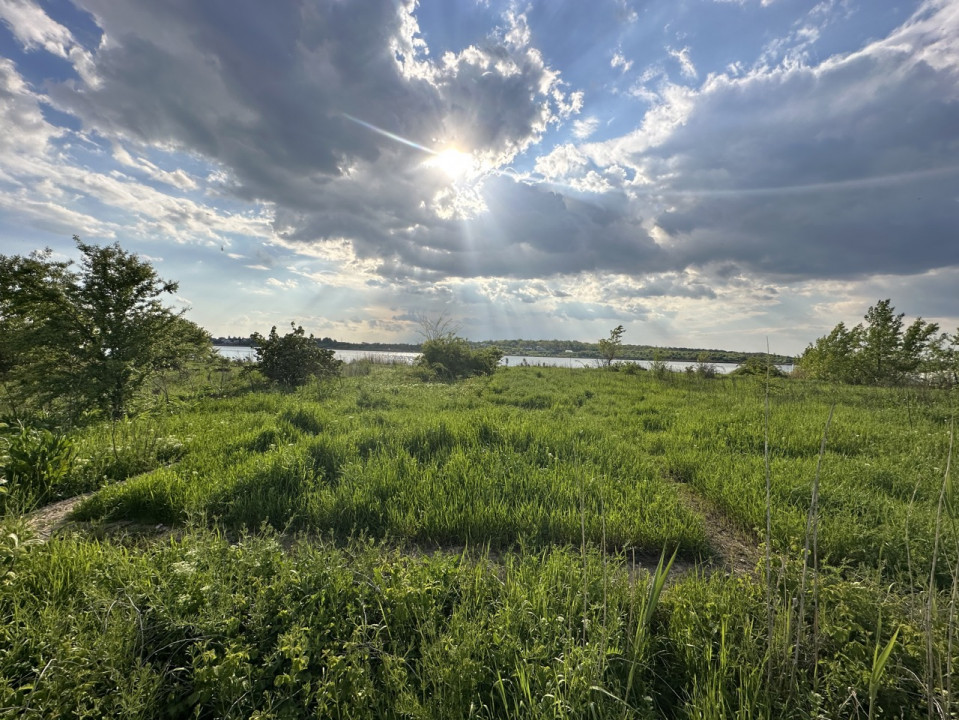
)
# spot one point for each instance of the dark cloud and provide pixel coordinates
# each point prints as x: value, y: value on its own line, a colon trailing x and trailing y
x: 775, y: 174
x: 268, y: 92
x: 846, y: 169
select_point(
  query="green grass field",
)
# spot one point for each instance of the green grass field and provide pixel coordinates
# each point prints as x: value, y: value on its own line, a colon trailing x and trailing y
x: 377, y: 546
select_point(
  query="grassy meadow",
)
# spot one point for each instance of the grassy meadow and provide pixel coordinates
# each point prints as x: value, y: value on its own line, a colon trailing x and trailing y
x: 379, y: 546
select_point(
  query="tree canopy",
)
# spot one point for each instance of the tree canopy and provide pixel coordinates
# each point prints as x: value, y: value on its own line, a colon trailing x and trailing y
x: 881, y: 352
x: 87, y: 337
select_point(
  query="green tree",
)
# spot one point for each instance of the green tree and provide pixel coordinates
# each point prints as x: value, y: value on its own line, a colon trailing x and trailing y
x: 89, y: 337
x: 292, y: 359
x: 834, y: 356
x: 611, y: 347
x: 890, y: 354
x: 880, y: 353
x: 942, y: 362
x: 881, y: 340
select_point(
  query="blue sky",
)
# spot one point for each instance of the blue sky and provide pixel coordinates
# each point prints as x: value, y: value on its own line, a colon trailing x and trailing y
x: 705, y: 173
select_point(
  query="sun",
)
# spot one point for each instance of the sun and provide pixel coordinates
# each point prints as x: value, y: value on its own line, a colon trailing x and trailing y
x: 455, y: 163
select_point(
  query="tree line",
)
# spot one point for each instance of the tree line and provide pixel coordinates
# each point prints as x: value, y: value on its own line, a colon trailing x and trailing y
x: 84, y: 338
x: 884, y: 351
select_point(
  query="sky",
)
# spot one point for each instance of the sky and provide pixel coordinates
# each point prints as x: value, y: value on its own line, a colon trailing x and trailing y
x: 707, y: 173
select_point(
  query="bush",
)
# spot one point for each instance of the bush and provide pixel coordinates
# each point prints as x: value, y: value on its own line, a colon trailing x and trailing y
x: 33, y: 464
x: 758, y: 365
x: 293, y: 359
x: 451, y: 357
x: 704, y: 368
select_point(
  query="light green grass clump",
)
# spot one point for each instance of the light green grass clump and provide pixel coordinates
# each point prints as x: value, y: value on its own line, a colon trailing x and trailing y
x: 441, y: 464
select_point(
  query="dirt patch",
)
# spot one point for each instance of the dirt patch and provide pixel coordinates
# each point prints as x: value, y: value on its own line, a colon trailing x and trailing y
x: 54, y: 517
x: 735, y: 550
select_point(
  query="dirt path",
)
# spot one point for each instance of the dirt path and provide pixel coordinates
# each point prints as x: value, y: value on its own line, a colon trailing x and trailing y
x: 736, y: 550
x: 54, y: 517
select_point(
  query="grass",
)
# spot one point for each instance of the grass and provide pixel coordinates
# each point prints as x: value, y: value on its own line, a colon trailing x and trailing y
x: 434, y: 463
x: 384, y: 547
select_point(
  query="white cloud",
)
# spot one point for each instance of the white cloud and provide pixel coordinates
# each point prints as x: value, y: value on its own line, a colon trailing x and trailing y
x: 620, y: 61
x: 585, y: 127
x: 686, y: 66
x: 177, y: 178
x: 34, y: 29
x: 290, y: 284
x: 725, y: 192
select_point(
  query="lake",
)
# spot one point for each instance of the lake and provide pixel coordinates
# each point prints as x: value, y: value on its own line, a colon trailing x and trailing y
x: 246, y: 353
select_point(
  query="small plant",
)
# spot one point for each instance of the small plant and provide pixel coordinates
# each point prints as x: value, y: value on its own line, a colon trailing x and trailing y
x: 758, y: 365
x: 33, y: 463
x: 879, y: 660
x: 658, y: 366
x: 704, y: 368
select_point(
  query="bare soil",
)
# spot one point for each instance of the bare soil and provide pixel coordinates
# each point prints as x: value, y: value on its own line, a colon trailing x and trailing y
x: 52, y: 518
x: 736, y: 550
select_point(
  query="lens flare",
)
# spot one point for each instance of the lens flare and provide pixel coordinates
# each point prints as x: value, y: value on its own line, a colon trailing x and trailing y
x: 455, y: 163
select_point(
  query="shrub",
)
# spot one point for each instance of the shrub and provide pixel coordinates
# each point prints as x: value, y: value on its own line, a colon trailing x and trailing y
x: 33, y: 463
x: 293, y: 359
x: 704, y: 368
x: 758, y: 365
x: 450, y: 357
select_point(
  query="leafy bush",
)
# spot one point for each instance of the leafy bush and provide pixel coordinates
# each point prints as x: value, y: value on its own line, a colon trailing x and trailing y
x: 704, y: 368
x: 450, y: 357
x: 658, y: 367
x: 758, y: 365
x: 293, y: 359
x: 33, y: 463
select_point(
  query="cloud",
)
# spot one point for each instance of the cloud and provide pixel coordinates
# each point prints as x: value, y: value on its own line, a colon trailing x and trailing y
x: 620, y: 61
x: 841, y: 169
x: 585, y: 127
x: 282, y: 284
x: 178, y: 178
x: 298, y: 136
x: 34, y: 29
x: 686, y: 66
x: 266, y: 94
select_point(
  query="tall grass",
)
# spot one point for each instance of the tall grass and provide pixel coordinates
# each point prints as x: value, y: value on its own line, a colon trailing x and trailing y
x: 463, y: 553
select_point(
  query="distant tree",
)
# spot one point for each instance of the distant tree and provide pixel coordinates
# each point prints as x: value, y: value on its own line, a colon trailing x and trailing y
x: 611, y: 347
x: 879, y: 353
x: 88, y: 338
x: 292, y: 359
x: 437, y: 327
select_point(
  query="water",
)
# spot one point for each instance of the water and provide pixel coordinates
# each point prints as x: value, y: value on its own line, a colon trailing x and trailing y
x: 247, y: 353
x: 241, y: 352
